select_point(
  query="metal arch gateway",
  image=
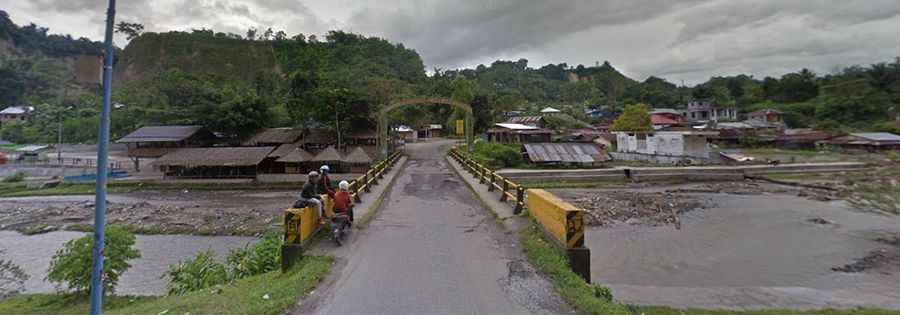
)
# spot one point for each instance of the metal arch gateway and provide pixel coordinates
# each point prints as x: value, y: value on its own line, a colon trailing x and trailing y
x: 383, y: 120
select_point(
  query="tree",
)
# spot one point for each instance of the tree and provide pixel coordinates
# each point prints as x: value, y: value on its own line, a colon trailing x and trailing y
x: 251, y: 34
x: 72, y: 264
x: 636, y: 117
x: 131, y: 30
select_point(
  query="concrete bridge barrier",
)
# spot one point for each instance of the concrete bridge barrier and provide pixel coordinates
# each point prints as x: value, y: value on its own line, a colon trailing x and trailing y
x: 563, y: 223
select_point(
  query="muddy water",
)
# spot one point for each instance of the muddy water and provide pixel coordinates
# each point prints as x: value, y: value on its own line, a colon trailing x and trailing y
x: 33, y: 254
x: 747, y: 252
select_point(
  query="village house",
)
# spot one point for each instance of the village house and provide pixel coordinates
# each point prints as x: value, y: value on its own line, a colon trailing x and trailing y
x: 431, y: 131
x: 805, y: 139
x: 406, y: 134
x: 661, y: 146
x: 702, y: 111
x: 15, y: 114
x: 157, y: 141
x: 534, y: 121
x: 550, y: 111
x: 766, y: 116
x: 865, y: 141
x: 665, y: 117
x: 518, y: 133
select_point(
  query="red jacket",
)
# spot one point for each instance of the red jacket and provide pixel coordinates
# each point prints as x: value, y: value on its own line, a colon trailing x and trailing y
x: 342, y: 201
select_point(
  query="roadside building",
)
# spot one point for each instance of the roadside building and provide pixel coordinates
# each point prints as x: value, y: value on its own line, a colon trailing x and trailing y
x: 702, y: 111
x: 215, y: 162
x: 565, y: 153
x: 663, y: 146
x: 801, y: 138
x: 550, y: 111
x: 665, y: 117
x: 602, y: 127
x: 297, y: 161
x: 317, y: 139
x: 157, y: 141
x: 274, y: 137
x: 331, y: 157
x: 357, y: 161
x: 766, y: 116
x: 362, y: 137
x: 534, y: 121
x: 15, y: 114
x: 31, y: 153
x: 406, y: 133
x: 431, y: 131
x: 518, y: 133
x: 865, y: 141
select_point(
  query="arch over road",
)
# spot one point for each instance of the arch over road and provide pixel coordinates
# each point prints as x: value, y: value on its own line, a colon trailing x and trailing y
x: 383, y: 120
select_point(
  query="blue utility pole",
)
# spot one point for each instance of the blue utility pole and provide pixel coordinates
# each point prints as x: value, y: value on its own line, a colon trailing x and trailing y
x: 102, y: 156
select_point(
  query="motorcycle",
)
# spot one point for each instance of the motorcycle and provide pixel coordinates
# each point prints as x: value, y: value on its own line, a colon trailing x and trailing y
x: 340, y: 223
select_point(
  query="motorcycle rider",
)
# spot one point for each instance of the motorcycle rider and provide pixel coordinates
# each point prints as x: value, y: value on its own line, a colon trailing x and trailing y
x: 310, y: 194
x: 342, y: 202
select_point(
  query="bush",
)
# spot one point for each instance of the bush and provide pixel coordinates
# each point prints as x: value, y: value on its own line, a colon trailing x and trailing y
x: 16, y: 177
x: 201, y: 272
x: 264, y: 256
x: 603, y: 293
x: 72, y: 264
x: 12, y: 278
x: 497, y: 155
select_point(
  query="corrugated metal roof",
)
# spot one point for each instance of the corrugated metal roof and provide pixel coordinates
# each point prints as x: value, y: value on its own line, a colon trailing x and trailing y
x: 516, y: 126
x: 17, y: 110
x: 160, y: 134
x: 218, y: 156
x: 525, y: 120
x: 877, y: 136
x: 565, y: 152
x: 550, y: 110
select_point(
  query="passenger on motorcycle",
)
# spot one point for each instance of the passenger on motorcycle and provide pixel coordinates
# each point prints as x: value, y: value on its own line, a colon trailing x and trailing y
x: 310, y: 194
x: 342, y: 202
x: 324, y: 185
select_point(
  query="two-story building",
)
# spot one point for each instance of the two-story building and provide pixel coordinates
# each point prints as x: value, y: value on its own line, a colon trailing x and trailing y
x: 703, y: 111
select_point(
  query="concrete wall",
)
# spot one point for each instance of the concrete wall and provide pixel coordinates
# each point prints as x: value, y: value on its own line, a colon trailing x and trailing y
x: 660, y: 159
x: 673, y: 144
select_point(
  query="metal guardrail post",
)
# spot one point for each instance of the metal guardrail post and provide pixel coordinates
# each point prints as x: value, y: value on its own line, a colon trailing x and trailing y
x: 505, y: 189
x: 482, y: 176
x: 520, y: 200
x: 493, y: 180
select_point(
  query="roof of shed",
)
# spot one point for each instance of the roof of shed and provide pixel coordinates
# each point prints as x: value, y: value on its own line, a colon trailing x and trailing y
x: 330, y: 154
x: 160, y: 134
x: 358, y: 156
x: 565, y: 152
x: 275, y: 135
x: 217, y: 156
x: 297, y: 155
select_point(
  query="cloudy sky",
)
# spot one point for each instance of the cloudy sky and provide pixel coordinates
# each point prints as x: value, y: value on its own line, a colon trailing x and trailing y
x: 688, y: 40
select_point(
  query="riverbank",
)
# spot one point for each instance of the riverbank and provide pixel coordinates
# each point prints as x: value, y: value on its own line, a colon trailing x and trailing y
x: 270, y: 293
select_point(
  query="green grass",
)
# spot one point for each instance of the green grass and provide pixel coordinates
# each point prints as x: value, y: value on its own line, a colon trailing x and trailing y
x: 22, y: 190
x: 552, y: 262
x: 244, y: 296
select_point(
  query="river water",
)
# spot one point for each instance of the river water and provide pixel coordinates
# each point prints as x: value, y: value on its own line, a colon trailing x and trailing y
x: 749, y: 252
x: 158, y: 252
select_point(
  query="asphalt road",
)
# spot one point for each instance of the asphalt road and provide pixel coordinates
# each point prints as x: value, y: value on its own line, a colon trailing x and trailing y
x: 431, y: 249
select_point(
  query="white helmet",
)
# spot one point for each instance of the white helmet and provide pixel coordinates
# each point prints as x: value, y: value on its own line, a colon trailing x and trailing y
x: 313, y: 174
x: 344, y: 185
x: 324, y: 169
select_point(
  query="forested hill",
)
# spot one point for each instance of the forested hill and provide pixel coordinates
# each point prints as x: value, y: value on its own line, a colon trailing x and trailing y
x: 33, y: 39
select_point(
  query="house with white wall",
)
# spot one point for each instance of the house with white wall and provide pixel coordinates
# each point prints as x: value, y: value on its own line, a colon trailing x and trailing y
x: 663, y: 146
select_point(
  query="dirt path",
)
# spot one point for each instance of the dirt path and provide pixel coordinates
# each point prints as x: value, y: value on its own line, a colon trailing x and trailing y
x: 431, y: 249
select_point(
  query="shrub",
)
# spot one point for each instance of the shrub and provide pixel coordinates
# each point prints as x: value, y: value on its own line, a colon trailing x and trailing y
x: 497, y: 155
x: 201, y: 272
x: 16, y: 177
x: 263, y: 256
x: 72, y: 264
x: 12, y: 278
x: 603, y: 293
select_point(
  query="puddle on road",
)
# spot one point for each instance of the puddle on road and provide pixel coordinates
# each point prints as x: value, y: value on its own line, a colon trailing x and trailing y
x: 33, y: 254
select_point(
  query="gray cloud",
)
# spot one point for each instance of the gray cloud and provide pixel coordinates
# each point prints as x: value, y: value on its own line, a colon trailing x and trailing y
x: 680, y: 40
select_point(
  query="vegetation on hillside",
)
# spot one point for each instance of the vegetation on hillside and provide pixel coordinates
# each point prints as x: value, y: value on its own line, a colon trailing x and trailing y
x: 266, y: 78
